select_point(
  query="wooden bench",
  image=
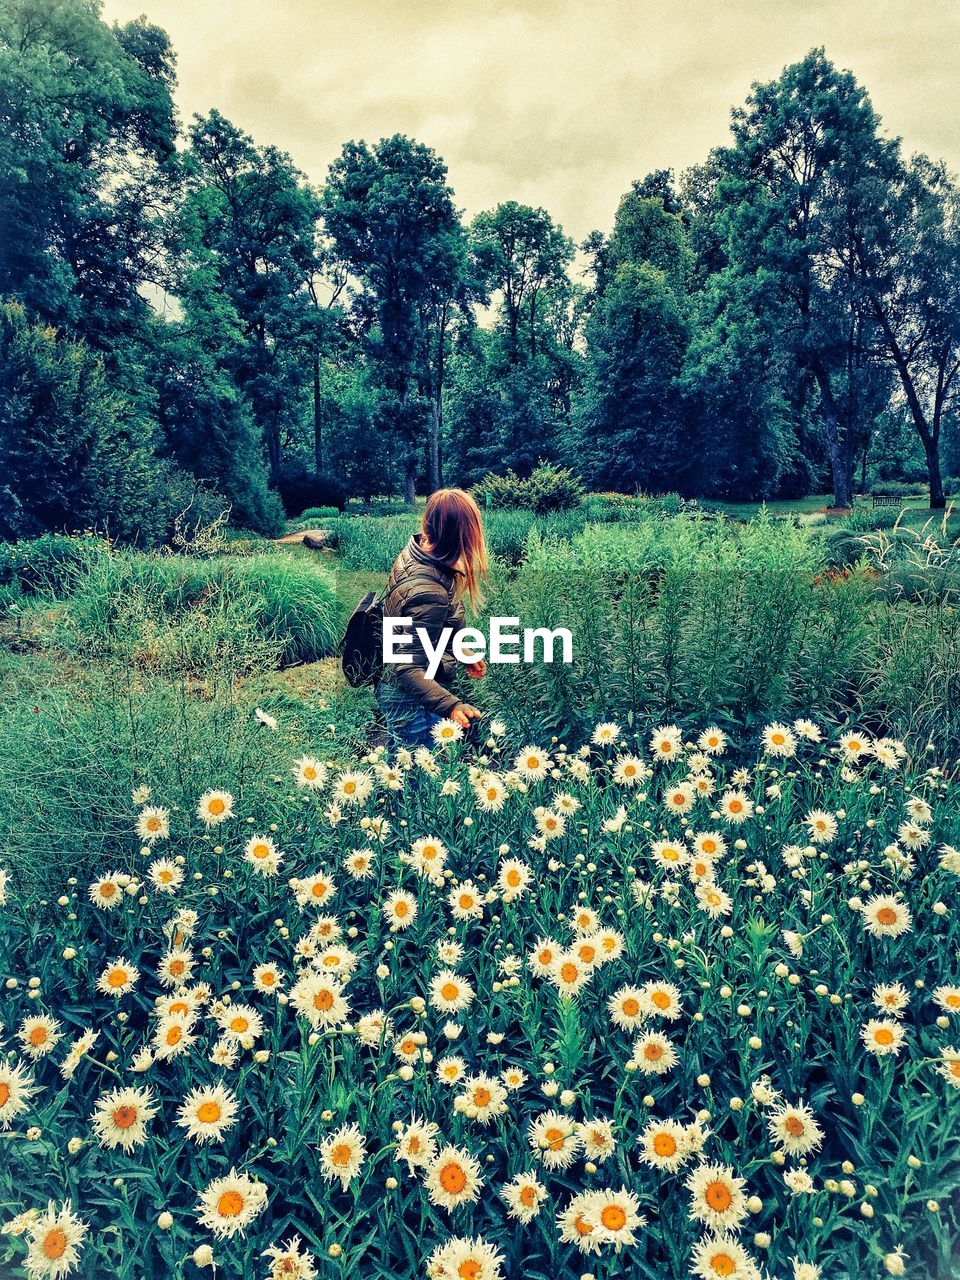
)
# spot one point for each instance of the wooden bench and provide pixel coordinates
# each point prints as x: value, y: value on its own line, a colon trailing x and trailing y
x: 885, y: 500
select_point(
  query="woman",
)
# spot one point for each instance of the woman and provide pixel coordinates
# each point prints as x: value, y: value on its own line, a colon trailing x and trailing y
x: 439, y: 567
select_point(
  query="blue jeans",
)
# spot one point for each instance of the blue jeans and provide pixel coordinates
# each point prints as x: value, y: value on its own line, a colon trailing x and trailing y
x: 408, y: 723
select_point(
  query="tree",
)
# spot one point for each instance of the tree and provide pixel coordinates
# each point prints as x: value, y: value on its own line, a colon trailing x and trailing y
x: 74, y: 454
x: 530, y: 364
x: 646, y: 230
x: 801, y: 188
x: 629, y: 426
x: 628, y: 421
x: 520, y: 252
x: 910, y: 267
x: 391, y: 220
x: 206, y: 423
x: 246, y: 238
x: 734, y: 386
x: 86, y: 144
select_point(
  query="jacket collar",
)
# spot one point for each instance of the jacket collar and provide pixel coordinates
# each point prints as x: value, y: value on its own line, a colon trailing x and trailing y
x: 426, y: 557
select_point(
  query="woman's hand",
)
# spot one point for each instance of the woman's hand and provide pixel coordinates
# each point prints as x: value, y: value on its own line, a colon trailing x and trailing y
x: 463, y: 713
x: 476, y: 670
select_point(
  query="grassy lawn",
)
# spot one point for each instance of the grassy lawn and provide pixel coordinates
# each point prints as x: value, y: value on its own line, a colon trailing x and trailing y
x: 916, y: 505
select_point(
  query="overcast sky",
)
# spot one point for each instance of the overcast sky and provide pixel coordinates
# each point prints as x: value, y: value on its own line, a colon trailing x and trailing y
x: 559, y: 103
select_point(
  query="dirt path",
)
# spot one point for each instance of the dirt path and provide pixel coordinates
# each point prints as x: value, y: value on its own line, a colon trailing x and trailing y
x: 315, y: 535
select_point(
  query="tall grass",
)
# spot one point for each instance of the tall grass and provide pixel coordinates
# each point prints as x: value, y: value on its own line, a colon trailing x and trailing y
x: 686, y: 617
x: 370, y: 544
x: 74, y: 749
x: 178, y: 612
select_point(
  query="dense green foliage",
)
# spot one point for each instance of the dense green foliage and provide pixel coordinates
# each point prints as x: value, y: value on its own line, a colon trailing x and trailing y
x: 547, y: 488
x: 781, y: 318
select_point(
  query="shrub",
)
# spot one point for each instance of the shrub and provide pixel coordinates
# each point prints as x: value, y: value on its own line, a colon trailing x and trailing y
x: 300, y: 488
x: 501, y: 492
x: 553, y: 488
x: 320, y: 513
x: 900, y: 488
x: 75, y: 453
x: 370, y: 544
x: 297, y: 602
x: 42, y: 566
x: 548, y: 488
x: 608, y: 508
x: 376, y: 507
x: 867, y: 519
x: 507, y: 533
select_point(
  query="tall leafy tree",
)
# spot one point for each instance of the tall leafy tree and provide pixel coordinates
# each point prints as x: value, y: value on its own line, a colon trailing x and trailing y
x: 87, y: 132
x: 909, y: 260
x: 247, y: 254
x: 629, y: 424
x: 736, y: 380
x: 520, y: 253
x: 392, y: 222
x: 629, y: 427
x: 801, y: 188
x: 522, y: 259
x: 74, y: 453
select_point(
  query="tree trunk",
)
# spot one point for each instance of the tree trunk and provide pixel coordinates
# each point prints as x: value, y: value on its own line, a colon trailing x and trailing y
x: 317, y: 416
x: 937, y: 499
x: 841, y: 464
x: 433, y: 449
x: 274, y: 456
x: 410, y: 480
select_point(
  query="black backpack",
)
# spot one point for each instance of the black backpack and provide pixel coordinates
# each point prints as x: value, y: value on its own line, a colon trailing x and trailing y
x: 361, y: 649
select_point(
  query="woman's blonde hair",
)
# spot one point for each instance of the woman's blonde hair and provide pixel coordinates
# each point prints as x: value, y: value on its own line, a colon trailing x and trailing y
x: 453, y: 526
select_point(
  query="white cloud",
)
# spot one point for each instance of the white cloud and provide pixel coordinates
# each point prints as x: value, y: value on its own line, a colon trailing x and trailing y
x: 554, y: 102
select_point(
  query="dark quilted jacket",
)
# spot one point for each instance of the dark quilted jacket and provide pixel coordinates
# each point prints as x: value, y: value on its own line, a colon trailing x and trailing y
x: 421, y: 587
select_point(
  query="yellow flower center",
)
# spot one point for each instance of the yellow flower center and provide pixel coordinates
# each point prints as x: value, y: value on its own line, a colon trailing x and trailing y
x: 124, y: 1117
x: 613, y: 1217
x: 665, y: 1144
x: 452, y: 1178
x: 54, y: 1244
x: 230, y: 1204
x: 718, y: 1197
